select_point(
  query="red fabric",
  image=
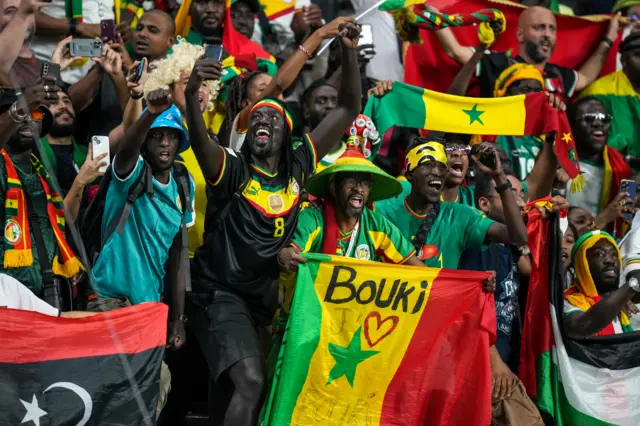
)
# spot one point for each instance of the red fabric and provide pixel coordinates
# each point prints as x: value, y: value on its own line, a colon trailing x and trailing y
x: 537, y: 337
x: 32, y: 337
x: 426, y: 64
x: 451, y: 344
x: 331, y: 231
x: 237, y: 44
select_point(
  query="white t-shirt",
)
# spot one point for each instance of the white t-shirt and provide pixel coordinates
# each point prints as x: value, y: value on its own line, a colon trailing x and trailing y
x: 569, y: 309
x: 236, y: 139
x: 14, y: 295
x: 589, y: 197
x: 92, y: 12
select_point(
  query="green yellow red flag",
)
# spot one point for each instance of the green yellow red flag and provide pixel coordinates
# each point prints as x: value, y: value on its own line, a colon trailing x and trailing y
x: 398, y: 4
x: 379, y: 344
x: 523, y: 115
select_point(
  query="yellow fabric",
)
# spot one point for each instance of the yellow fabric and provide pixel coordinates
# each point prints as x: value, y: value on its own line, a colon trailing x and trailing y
x: 584, y: 297
x: 516, y: 72
x: 605, y: 195
x: 616, y: 83
x: 183, y: 19
x: 381, y: 241
x: 189, y: 160
x: 430, y: 151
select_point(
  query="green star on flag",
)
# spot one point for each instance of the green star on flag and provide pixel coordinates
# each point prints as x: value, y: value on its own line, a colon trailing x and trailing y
x: 347, y: 359
x: 474, y: 114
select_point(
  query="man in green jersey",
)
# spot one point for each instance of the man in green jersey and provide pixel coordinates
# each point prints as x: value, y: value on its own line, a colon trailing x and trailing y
x: 441, y: 231
x: 345, y: 227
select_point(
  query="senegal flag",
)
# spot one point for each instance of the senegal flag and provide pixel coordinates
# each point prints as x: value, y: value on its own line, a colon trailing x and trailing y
x: 378, y: 344
x: 584, y: 382
x: 622, y: 101
x: 523, y: 115
x: 98, y: 370
x: 398, y: 4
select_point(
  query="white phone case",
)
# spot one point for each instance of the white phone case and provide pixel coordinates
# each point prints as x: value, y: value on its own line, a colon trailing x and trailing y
x: 100, y: 145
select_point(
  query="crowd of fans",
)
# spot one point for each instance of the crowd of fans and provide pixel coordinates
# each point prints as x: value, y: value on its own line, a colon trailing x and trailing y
x: 165, y: 168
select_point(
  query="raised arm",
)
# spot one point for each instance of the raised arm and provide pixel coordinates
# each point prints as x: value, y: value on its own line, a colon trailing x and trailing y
x: 331, y: 129
x: 600, y: 315
x: 48, y: 25
x: 289, y: 70
x: 12, y: 36
x: 177, y: 290
x: 89, y: 171
x: 158, y: 101
x: 460, y: 83
x: 515, y: 231
x: 590, y: 70
x: 208, y: 153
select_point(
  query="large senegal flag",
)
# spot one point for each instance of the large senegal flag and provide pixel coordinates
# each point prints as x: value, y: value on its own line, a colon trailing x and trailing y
x: 584, y: 382
x: 98, y: 370
x: 622, y: 101
x: 427, y: 65
x: 378, y: 344
x: 523, y: 115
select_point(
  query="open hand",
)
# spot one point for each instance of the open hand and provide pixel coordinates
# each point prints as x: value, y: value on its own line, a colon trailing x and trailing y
x: 111, y: 62
x: 62, y: 55
x: 290, y: 258
x: 158, y: 101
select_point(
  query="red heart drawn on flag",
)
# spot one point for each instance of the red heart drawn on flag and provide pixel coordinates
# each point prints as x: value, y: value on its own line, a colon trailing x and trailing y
x: 376, y: 328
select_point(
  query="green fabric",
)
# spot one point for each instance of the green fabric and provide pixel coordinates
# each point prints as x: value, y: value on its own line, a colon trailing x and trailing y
x: 30, y: 276
x: 624, y: 134
x: 623, y: 4
x: 466, y: 196
x: 194, y: 38
x: 79, y: 153
x: 73, y: 9
x: 456, y: 228
x: 390, y: 247
x: 527, y: 148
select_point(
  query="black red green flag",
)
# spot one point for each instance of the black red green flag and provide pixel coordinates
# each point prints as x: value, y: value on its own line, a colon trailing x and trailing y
x: 100, y: 370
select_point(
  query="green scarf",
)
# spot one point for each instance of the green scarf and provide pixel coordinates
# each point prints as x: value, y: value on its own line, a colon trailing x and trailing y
x: 73, y: 9
x: 79, y: 153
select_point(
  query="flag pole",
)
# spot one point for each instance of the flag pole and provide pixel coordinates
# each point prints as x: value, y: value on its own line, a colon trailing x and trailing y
x: 366, y: 12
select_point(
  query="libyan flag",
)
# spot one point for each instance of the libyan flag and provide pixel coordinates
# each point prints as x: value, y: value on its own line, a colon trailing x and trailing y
x: 586, y: 382
x: 426, y: 65
x: 377, y: 344
x: 100, y: 370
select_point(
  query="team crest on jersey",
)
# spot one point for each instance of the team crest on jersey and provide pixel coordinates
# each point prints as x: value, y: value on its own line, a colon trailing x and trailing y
x: 276, y: 203
x: 363, y: 252
x: 12, y: 232
x: 295, y: 189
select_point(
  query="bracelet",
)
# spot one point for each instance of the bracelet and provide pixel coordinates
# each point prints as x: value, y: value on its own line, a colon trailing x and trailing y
x: 305, y: 50
x: 182, y: 317
x: 136, y: 97
x: 73, y: 26
x: 501, y: 188
x: 608, y: 41
x: 15, y: 115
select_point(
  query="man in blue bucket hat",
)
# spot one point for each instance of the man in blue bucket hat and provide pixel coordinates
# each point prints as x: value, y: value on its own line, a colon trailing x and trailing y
x: 137, y: 245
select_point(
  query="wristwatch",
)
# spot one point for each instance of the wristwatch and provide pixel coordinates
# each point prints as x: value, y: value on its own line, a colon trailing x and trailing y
x: 634, y: 284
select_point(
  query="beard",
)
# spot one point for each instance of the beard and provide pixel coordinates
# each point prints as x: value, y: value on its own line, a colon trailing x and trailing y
x: 61, y: 130
x: 533, y: 52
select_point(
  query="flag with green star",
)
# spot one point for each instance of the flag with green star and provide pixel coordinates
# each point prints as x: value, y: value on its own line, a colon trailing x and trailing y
x: 523, y: 115
x: 370, y: 343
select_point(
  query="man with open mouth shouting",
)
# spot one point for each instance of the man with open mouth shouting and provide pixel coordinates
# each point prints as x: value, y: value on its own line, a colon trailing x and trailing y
x: 254, y: 200
x: 441, y: 231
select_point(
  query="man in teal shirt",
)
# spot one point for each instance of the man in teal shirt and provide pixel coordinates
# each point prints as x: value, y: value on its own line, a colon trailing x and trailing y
x: 439, y: 230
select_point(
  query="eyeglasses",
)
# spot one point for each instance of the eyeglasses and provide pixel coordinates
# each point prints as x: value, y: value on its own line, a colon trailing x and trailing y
x: 352, y: 182
x: 452, y: 147
x: 591, y: 117
x: 36, y: 115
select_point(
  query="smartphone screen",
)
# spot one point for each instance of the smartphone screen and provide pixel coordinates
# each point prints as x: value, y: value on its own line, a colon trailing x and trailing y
x: 100, y: 145
x: 630, y: 187
x: 366, y: 35
x: 108, y: 30
x: 213, y: 51
x: 140, y: 69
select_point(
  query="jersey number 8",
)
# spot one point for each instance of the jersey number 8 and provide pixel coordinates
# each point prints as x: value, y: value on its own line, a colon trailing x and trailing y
x: 279, y: 224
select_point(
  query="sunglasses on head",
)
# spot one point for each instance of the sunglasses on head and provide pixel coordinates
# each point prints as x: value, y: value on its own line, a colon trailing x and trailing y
x: 452, y: 147
x: 590, y: 117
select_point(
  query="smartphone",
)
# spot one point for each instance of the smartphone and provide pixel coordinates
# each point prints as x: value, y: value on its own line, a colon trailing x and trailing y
x: 108, y: 30
x: 213, y: 51
x: 50, y: 70
x: 140, y: 69
x: 86, y: 47
x: 366, y: 35
x: 629, y: 186
x: 100, y: 145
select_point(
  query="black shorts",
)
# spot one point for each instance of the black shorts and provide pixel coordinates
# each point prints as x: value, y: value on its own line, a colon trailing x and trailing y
x: 225, y: 329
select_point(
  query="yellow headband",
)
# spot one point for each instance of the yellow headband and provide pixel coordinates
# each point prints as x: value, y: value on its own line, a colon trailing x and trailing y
x: 516, y: 72
x: 584, y: 281
x: 430, y: 151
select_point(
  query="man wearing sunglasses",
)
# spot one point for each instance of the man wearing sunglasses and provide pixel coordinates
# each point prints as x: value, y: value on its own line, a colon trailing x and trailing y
x: 619, y: 94
x: 602, y: 166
